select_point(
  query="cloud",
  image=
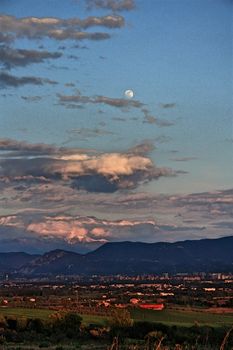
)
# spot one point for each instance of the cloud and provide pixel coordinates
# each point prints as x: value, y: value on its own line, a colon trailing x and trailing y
x: 150, y: 119
x: 14, y: 81
x: 60, y: 34
x: 104, y: 172
x: 183, y: 159
x: 6, y: 38
x: 143, y: 148
x: 162, y: 139
x: 23, y: 147
x: 74, y: 229
x: 70, y: 101
x: 167, y: 105
x: 45, y: 213
x: 57, y: 28
x: 69, y: 84
x: 31, y: 98
x: 79, y: 231
x: 85, y: 133
x: 10, y: 57
x: 114, y: 102
x: 114, y: 5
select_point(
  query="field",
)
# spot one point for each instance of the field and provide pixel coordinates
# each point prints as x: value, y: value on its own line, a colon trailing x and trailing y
x: 169, y: 317
x: 24, y: 312
x: 45, y: 314
x: 183, y: 318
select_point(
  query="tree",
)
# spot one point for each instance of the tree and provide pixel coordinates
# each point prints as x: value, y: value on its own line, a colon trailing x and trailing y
x: 121, y: 318
x: 69, y: 325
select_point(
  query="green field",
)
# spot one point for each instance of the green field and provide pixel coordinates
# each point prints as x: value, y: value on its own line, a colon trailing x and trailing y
x: 167, y: 316
x: 23, y: 312
x: 44, y: 314
x: 182, y: 318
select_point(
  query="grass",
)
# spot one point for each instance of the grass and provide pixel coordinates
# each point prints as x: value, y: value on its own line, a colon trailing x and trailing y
x: 182, y: 318
x: 44, y: 315
x: 100, y: 320
x: 169, y: 317
x: 24, y: 312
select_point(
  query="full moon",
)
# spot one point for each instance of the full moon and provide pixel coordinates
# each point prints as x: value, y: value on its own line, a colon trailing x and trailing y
x: 129, y: 93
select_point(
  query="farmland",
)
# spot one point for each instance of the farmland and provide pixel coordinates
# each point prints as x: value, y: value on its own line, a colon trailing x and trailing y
x: 167, y: 316
x: 182, y: 318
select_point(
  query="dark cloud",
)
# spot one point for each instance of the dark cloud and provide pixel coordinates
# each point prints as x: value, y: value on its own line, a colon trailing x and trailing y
x: 73, y: 57
x: 167, y: 105
x: 10, y: 57
x: 72, y: 106
x: 114, y: 5
x: 6, y: 38
x: 23, y: 147
x: 82, y: 47
x: 11, y: 80
x: 70, y: 85
x: 157, y: 121
x: 150, y: 119
x: 97, y: 183
x: 103, y: 172
x: 31, y: 98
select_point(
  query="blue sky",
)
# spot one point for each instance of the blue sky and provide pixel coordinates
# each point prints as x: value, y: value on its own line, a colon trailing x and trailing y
x: 174, y: 138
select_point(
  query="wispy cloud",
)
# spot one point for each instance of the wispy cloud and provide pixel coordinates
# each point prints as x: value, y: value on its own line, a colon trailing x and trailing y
x: 10, y: 57
x: 57, y: 28
x: 113, y: 5
x: 31, y: 98
x: 150, y: 119
x: 183, y: 159
x: 114, y: 102
x: 14, y: 81
x: 168, y: 105
x: 86, y: 133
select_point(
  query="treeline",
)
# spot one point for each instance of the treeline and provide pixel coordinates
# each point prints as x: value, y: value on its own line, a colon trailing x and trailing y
x: 175, y: 337
x: 33, y: 330
x: 119, y: 334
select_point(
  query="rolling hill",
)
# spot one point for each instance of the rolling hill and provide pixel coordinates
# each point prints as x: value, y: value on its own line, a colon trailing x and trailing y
x: 129, y: 258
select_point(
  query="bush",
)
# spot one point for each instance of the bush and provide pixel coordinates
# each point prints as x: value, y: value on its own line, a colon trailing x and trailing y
x: 68, y: 326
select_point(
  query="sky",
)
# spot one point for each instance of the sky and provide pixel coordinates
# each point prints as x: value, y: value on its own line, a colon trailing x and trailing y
x: 81, y: 164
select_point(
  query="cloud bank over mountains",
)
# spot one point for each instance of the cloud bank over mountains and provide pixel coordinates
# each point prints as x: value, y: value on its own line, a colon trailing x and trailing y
x: 80, y: 199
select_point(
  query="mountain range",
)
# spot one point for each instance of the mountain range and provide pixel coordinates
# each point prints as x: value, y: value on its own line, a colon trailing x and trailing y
x: 130, y: 258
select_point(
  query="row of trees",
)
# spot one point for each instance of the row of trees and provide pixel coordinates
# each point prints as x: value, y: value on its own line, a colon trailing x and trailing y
x: 121, y: 328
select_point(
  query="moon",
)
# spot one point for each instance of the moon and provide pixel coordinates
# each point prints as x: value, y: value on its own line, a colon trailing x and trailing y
x: 129, y: 93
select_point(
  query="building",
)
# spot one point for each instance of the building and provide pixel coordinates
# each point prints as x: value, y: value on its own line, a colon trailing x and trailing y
x: 156, y: 307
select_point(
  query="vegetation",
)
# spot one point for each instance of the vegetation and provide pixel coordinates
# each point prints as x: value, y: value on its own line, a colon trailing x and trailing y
x: 26, y: 312
x: 182, y: 318
x: 66, y: 331
x: 167, y: 316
